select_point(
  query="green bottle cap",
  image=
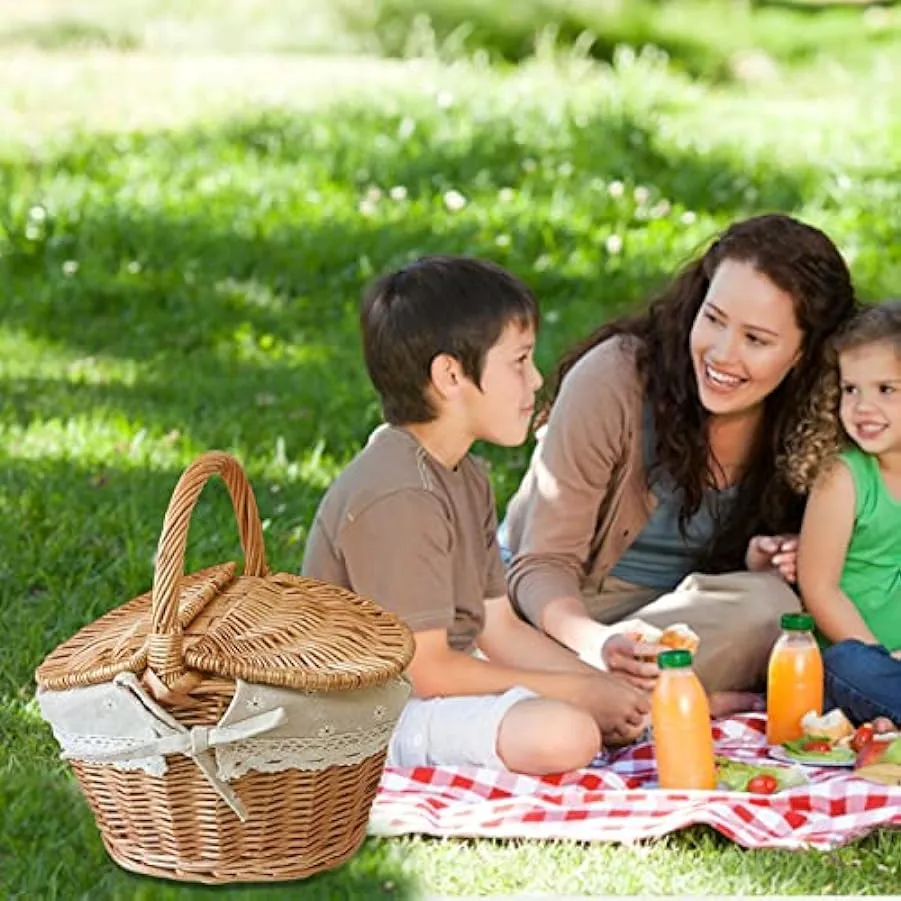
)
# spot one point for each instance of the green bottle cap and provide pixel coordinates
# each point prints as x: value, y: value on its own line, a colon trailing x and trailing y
x: 674, y: 659
x: 797, y: 622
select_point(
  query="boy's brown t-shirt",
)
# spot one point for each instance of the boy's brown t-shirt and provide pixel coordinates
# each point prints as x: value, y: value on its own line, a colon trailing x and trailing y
x: 417, y: 538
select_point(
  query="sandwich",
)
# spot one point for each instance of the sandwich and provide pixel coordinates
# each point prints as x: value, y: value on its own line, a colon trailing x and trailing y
x: 677, y: 637
x: 680, y: 637
x: 833, y: 726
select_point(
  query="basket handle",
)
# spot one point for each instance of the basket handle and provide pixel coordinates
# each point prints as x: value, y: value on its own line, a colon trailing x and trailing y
x: 165, y: 639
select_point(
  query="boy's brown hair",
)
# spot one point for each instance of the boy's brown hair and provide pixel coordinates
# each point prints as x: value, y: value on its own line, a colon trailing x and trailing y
x: 436, y: 305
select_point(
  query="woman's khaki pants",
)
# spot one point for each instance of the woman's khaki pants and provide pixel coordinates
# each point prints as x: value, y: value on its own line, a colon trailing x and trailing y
x: 736, y: 616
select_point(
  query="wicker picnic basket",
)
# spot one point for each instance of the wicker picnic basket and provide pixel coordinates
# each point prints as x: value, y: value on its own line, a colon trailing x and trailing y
x: 229, y: 728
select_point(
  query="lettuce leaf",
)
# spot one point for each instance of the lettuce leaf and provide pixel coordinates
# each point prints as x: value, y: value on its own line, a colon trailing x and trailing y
x: 795, y: 749
x: 735, y: 775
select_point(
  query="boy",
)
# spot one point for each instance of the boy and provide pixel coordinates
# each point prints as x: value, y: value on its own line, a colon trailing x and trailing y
x: 411, y: 523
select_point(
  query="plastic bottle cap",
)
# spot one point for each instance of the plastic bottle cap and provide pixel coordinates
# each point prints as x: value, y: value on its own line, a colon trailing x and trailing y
x: 797, y: 622
x: 673, y: 659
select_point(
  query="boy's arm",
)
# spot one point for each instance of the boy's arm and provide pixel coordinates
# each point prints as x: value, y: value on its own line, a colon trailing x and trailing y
x: 437, y: 670
x: 825, y: 535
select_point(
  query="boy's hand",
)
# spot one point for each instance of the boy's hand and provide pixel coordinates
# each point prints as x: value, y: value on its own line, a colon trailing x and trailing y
x: 776, y: 553
x: 621, y: 711
x: 632, y: 660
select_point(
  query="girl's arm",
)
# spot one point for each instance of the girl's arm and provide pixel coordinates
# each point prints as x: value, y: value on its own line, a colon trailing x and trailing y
x: 825, y: 536
x: 507, y: 639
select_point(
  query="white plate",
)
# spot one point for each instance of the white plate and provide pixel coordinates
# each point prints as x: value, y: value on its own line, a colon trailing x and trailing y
x: 777, y: 752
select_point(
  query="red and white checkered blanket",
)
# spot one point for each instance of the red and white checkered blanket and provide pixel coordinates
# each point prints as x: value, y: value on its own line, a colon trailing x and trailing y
x: 614, y: 801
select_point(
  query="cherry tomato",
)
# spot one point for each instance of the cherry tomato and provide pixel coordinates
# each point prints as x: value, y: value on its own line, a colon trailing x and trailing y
x: 863, y: 736
x: 764, y: 784
x: 816, y: 746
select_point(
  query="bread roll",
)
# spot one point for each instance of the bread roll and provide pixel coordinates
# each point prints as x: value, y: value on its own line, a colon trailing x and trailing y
x: 680, y: 637
x: 833, y: 725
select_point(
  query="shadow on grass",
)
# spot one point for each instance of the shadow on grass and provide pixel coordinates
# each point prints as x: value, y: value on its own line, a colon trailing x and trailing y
x: 261, y: 347
x: 414, y: 145
x: 154, y: 283
x: 824, y: 7
x: 235, y: 306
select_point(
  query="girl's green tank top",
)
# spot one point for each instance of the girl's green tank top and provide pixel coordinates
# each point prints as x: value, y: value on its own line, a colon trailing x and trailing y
x: 872, y: 573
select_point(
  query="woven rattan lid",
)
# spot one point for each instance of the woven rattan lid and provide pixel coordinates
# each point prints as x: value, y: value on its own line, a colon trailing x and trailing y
x: 277, y: 629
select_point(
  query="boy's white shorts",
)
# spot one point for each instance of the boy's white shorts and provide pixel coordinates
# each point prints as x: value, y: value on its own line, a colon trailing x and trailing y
x: 457, y: 731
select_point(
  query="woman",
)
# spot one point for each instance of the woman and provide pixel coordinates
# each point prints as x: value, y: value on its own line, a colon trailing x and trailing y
x: 657, y: 489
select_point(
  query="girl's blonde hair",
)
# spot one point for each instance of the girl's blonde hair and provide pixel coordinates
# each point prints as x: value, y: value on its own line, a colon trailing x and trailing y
x: 818, y: 435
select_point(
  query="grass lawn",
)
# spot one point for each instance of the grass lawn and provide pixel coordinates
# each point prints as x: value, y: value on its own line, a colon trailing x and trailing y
x: 183, y: 242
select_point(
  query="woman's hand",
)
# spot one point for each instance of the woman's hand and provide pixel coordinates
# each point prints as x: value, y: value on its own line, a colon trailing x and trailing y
x: 632, y: 660
x: 774, y: 553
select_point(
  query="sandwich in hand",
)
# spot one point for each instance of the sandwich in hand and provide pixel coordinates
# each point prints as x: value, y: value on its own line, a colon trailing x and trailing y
x: 678, y: 636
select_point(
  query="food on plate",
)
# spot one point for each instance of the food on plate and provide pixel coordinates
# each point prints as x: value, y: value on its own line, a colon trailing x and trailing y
x: 880, y: 760
x: 764, y: 784
x: 813, y: 750
x: 884, y: 773
x: 880, y: 750
x: 862, y: 736
x: 832, y: 726
x: 736, y: 775
x: 831, y: 739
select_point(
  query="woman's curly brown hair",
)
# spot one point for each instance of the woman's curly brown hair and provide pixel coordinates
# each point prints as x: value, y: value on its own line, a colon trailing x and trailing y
x: 803, y: 262
x: 820, y: 436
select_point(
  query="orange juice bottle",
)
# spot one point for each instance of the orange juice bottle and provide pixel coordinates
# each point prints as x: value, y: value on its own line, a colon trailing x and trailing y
x: 794, y: 679
x: 680, y: 716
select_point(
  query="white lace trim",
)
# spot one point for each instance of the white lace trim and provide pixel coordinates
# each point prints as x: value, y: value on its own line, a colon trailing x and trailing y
x: 236, y: 760
x: 272, y: 756
x: 89, y: 748
x: 266, y: 729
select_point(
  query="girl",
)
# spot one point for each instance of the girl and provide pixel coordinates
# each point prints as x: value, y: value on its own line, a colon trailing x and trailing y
x: 657, y: 489
x: 849, y: 559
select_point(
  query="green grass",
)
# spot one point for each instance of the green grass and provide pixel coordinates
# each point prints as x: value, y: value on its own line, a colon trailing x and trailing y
x: 183, y: 272
x: 707, y: 39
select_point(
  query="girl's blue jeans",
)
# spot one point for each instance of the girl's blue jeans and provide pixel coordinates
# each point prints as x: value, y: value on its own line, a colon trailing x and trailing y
x: 864, y: 680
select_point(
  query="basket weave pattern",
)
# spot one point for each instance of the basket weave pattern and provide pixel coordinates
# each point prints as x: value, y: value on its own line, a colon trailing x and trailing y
x: 189, y: 640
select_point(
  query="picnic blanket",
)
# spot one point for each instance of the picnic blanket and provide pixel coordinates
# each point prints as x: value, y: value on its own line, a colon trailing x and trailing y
x: 615, y: 801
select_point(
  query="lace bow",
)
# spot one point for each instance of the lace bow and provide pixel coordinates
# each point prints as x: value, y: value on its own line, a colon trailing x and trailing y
x: 196, y: 743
